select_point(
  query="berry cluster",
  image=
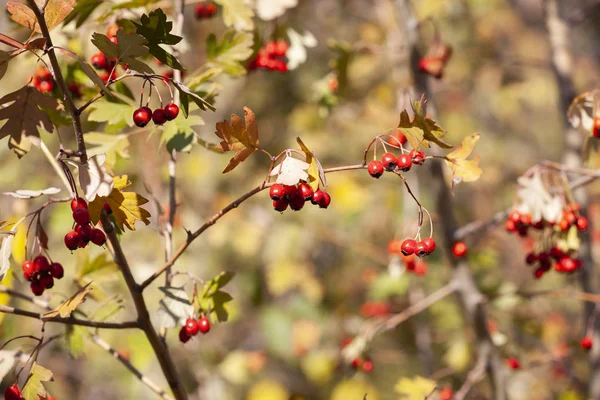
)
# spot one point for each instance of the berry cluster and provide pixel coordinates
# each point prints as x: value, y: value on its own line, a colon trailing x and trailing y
x: 596, y: 127
x: 84, y: 232
x: 41, y: 273
x: 14, y: 393
x: 205, y: 11
x: 553, y: 239
x: 192, y: 327
x: 295, y: 196
x: 389, y: 162
x: 143, y: 115
x: 270, y: 57
x: 421, y: 249
x: 365, y: 364
x: 413, y: 264
x: 42, y: 80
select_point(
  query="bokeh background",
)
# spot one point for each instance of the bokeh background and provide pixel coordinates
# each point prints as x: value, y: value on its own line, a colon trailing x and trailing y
x: 302, y: 277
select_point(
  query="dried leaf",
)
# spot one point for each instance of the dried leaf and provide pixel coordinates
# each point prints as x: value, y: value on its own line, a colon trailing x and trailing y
x: 126, y: 206
x: 421, y: 130
x: 24, y: 115
x: 243, y: 140
x: 463, y: 169
x: 55, y: 12
x: 315, y: 171
x: 30, y: 194
x: 65, y: 309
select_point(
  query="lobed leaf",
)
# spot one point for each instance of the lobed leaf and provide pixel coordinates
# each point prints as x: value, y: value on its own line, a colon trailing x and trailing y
x: 65, y: 309
x: 55, y: 12
x: 237, y: 14
x: 463, y: 169
x: 237, y: 137
x: 34, y: 388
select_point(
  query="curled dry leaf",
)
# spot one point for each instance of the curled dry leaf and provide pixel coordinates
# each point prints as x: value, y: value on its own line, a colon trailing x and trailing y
x: 463, y: 169
x: 54, y: 13
x: 30, y: 194
x: 65, y: 309
x: 315, y: 170
x: 291, y: 171
x: 243, y: 140
x: 93, y: 178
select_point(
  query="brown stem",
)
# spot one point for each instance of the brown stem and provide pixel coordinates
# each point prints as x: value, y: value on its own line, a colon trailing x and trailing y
x: 164, y: 357
x: 60, y: 81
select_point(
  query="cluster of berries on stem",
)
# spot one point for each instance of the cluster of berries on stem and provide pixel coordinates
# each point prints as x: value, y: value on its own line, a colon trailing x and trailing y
x: 413, y: 264
x: 295, y: 196
x: 192, y: 327
x: 41, y: 273
x: 270, y: 57
x: 205, y: 10
x: 42, y: 80
x: 83, y: 232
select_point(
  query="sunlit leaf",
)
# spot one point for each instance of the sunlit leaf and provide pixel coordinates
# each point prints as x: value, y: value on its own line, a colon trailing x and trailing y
x: 112, y: 113
x: 214, y: 299
x: 65, y: 309
x: 34, y: 388
x: 230, y: 53
x: 421, y: 130
x: 416, y: 388
x: 74, y: 340
x: 239, y: 138
x: 179, y: 134
x: 155, y: 28
x: 237, y: 14
x: 463, y: 169
x: 111, y: 145
x: 314, y: 171
x: 175, y: 307
x: 54, y: 13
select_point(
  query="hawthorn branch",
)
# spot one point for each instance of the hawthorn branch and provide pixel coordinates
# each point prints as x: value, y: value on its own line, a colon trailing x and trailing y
x: 160, y: 350
x: 70, y: 320
x: 60, y: 81
x: 213, y: 220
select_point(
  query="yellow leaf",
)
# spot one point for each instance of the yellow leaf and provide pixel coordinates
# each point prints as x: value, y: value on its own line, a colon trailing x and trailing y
x: 19, y: 244
x: 125, y: 206
x: 267, y: 390
x: 313, y: 170
x: 422, y: 129
x: 66, y: 308
x: 354, y: 389
x: 4, y: 297
x: 458, y: 355
x: 414, y: 389
x: 463, y: 169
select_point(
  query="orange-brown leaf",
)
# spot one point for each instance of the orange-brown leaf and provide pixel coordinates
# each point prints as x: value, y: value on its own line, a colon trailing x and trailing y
x: 237, y: 137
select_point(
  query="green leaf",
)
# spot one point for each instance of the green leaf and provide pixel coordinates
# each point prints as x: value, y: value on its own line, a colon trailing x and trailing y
x: 134, y: 4
x: 111, y: 145
x: 126, y: 51
x: 74, y: 340
x: 100, y: 264
x: 83, y: 9
x: 179, y: 135
x: 185, y: 93
x: 57, y: 117
x: 111, y: 113
x: 93, y: 75
x: 155, y: 28
x: 229, y: 54
x: 166, y: 57
x: 214, y: 299
x: 237, y: 14
x: 34, y: 388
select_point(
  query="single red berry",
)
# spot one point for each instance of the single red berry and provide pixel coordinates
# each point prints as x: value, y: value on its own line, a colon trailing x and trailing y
x: 280, y: 205
x: 367, y: 366
x: 574, y: 206
x: 570, y: 217
x: 539, y: 272
x: 57, y: 271
x: 317, y: 196
x: 421, y: 249
x: 417, y: 156
x: 78, y: 202
x: 74, y: 89
x: 40, y: 263
x: 191, y: 327
x: 586, y: 342
x: 389, y: 161
x: 515, y: 216
x: 305, y: 191
x: 596, y: 129
x: 159, y: 117
x: 297, y: 203
x: 357, y: 362
x: 430, y: 243
x: 46, y: 281
x: 510, y: 225
x: 183, y: 335
x: 85, y: 232
x: 46, y: 86
x: 446, y: 394
x: 98, y: 237
x: 567, y: 264
x: 72, y: 240
x: 203, y: 325
x: 81, y: 216
x: 531, y: 258
x: 37, y: 288
x: 28, y: 267
x: 582, y: 223
x: 325, y: 200
x: 290, y: 191
x: 142, y: 116
x: 13, y: 393
x: 270, y: 48
x: 171, y: 111
x: 211, y: 9
x: 526, y: 219
x: 513, y: 363
x: 563, y: 224
x: 459, y: 249
x: 375, y: 168
x: 408, y: 247
x: 543, y: 257
x: 420, y: 267
x: 99, y: 60
x: 277, y: 191
x: 404, y: 162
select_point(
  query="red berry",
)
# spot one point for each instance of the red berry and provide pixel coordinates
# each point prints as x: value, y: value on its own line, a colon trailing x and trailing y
x: 211, y: 9
x: 183, y: 335
x: 395, y: 246
x: 43, y: 73
x: 280, y: 205
x: 510, y: 225
x: 78, y: 202
x: 596, y: 129
x: 446, y: 394
x: 357, y: 362
x: 567, y: 264
x: 159, y: 117
x: 142, y: 116
x: 281, y: 48
x: 317, y: 196
x: 99, y: 60
x: 404, y: 162
x: 113, y: 39
x: 81, y: 216
x: 570, y: 217
x: 171, y: 111
x: 277, y: 191
x: 531, y: 258
x: 297, y: 203
x: 98, y: 237
x: 46, y: 86
x: 191, y: 327
x: 563, y: 224
x: 408, y: 247
x: 421, y: 249
x: 40, y: 263
x: 85, y: 232
x: 389, y: 161
x: 28, y: 268
x: 417, y: 156
x: 430, y: 243
x: 37, y: 288
x: 46, y: 281
x: 13, y: 393
x: 57, y: 271
x: 72, y: 240
x: 586, y: 342
x: 375, y: 168
x: 204, y: 325
x: 539, y: 272
x: 556, y: 253
x: 515, y: 216
x: 582, y: 223
x: 290, y: 191
x: 305, y: 191
x: 543, y: 257
x: 513, y: 363
x: 459, y: 249
x: 367, y: 366
x: 325, y: 201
